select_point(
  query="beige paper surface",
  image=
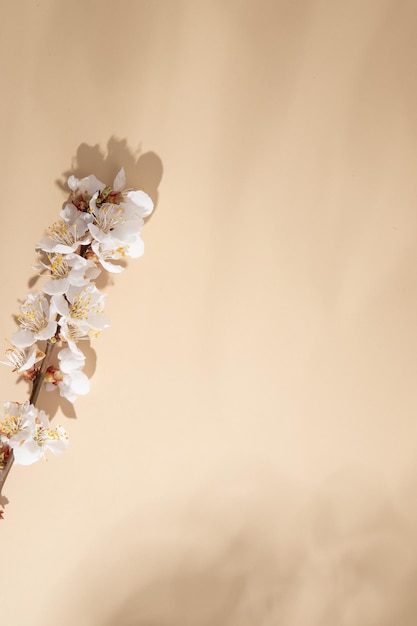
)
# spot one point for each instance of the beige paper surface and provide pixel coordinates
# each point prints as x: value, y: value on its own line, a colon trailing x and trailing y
x: 246, y: 455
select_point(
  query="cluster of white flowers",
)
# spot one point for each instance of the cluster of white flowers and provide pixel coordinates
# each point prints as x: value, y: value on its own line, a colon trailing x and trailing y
x: 27, y: 432
x: 98, y: 226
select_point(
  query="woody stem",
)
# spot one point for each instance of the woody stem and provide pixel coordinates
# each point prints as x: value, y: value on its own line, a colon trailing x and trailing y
x: 36, y: 387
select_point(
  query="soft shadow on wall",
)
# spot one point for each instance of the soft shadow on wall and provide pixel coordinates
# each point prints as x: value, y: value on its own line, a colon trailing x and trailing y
x: 345, y: 562
x: 258, y: 552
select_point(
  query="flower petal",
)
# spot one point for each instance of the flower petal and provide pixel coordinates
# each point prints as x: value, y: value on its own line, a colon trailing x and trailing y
x: 89, y: 184
x: 60, y: 305
x: 142, y: 201
x: 27, y: 453
x: 119, y: 182
x: 47, y: 332
x: 23, y: 338
x: 111, y: 267
x: 79, y: 383
x: 56, y: 286
x: 57, y: 442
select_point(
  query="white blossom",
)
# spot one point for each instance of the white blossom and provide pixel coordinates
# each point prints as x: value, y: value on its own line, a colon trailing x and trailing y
x: 22, y: 359
x: 72, y: 333
x: 17, y: 423
x: 106, y: 253
x: 75, y: 217
x: 28, y: 433
x: 36, y: 320
x: 68, y: 270
x: 88, y: 185
x: 64, y: 238
x: 82, y: 307
x: 74, y: 382
x: 139, y: 203
x: 113, y: 224
x: 117, y: 214
x: 69, y: 378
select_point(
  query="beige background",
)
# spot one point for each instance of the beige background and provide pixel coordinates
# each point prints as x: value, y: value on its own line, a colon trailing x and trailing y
x: 246, y: 455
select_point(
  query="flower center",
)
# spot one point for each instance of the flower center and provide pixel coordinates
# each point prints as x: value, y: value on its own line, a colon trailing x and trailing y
x: 40, y: 435
x: 82, y: 306
x: 32, y: 316
x: 58, y: 266
x: 11, y: 425
x: 107, y: 254
x: 61, y: 233
x: 16, y: 357
x: 56, y: 434
x: 108, y: 216
x: 75, y: 333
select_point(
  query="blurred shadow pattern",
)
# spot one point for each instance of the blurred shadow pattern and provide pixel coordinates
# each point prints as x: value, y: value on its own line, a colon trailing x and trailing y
x: 269, y: 557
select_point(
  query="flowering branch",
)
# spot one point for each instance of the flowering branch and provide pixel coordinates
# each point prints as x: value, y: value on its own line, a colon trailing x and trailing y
x: 99, y: 225
x: 37, y: 384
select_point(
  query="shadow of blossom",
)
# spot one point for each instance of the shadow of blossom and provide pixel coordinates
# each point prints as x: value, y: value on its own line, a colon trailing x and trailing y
x: 143, y: 170
x: 52, y: 402
x: 3, y: 501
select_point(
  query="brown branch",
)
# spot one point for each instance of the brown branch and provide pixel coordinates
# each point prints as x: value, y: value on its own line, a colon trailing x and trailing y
x: 37, y: 384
